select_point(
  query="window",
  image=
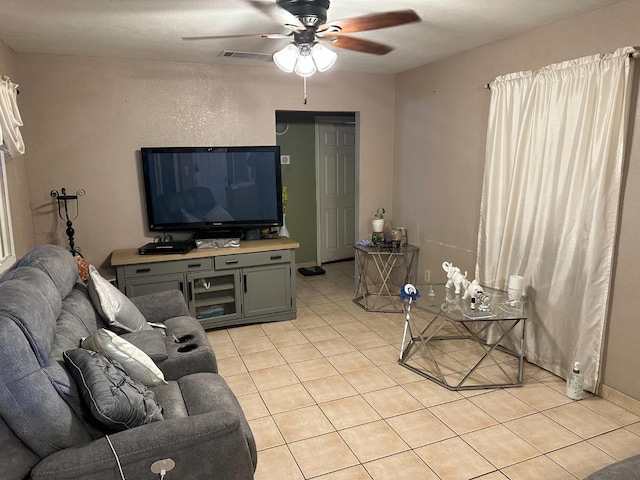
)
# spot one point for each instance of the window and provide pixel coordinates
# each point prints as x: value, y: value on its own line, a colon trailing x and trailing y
x: 7, y: 252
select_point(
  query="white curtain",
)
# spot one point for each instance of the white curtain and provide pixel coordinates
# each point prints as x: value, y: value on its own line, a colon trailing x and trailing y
x: 10, y: 120
x: 550, y: 201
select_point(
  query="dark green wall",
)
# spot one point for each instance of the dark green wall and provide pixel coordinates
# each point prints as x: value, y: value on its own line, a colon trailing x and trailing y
x: 300, y: 178
x: 299, y: 142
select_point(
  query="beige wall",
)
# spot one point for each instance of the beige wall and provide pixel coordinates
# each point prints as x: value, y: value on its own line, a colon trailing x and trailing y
x: 17, y: 183
x: 87, y: 117
x: 441, y: 121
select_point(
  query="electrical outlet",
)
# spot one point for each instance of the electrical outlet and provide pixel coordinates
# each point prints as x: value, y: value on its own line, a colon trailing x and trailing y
x: 427, y: 275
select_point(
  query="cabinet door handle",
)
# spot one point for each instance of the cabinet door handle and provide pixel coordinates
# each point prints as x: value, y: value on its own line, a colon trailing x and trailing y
x: 276, y: 257
x: 245, y: 283
x: 231, y: 262
x: 194, y: 265
x: 143, y: 270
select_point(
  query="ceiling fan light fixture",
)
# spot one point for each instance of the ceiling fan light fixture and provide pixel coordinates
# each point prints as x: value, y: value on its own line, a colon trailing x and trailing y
x: 323, y: 57
x: 286, y: 58
x: 305, y: 67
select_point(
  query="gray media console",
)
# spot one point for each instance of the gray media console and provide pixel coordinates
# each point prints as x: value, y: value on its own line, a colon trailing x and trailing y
x: 222, y: 286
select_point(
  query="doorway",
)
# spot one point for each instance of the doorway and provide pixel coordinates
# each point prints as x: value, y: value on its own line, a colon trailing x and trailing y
x: 321, y: 151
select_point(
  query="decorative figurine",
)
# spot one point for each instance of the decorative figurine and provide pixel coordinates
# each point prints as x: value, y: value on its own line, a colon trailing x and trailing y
x: 454, y: 277
x: 483, y: 301
x: 472, y: 290
x: 409, y: 293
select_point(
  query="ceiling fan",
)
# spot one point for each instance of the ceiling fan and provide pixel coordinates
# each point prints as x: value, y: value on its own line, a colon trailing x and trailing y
x: 309, y: 31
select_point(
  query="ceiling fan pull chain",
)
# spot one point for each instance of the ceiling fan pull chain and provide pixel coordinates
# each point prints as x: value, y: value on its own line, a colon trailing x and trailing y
x: 304, y: 88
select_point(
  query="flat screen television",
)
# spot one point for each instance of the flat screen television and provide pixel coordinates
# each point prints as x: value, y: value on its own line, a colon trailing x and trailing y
x: 212, y: 191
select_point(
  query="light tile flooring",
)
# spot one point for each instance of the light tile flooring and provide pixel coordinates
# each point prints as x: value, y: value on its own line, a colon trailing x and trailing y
x: 326, y: 399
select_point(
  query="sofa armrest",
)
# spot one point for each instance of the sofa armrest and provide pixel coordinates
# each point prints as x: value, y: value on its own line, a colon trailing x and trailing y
x: 199, y: 445
x: 151, y: 342
x: 160, y: 306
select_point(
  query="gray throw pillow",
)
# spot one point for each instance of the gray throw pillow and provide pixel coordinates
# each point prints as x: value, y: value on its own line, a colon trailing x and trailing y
x: 116, y: 401
x: 113, y: 305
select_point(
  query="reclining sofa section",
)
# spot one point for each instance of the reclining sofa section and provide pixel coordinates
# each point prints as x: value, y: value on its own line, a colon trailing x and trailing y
x: 47, y: 430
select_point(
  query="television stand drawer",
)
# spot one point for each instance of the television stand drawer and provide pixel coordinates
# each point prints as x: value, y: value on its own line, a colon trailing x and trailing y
x: 161, y: 268
x: 224, y: 262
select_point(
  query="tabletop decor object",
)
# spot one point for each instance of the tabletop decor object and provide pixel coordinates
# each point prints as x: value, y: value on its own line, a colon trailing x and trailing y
x: 454, y: 277
x: 409, y: 293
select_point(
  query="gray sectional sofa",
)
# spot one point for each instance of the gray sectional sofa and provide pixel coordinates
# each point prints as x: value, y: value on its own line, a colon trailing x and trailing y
x: 627, y: 469
x: 49, y: 428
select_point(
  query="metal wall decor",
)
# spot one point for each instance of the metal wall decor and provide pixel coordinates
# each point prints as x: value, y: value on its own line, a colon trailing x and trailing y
x: 64, y: 203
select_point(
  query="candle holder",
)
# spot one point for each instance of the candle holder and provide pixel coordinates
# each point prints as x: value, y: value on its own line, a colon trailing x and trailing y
x: 64, y: 201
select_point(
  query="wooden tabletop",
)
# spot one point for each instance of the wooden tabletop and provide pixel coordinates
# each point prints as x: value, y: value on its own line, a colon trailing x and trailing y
x: 130, y: 256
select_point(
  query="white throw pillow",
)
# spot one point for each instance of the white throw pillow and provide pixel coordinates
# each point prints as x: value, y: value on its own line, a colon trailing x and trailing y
x: 113, y: 305
x: 137, y: 363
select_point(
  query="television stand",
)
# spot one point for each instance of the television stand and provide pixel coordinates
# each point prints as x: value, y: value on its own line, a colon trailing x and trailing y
x: 253, y: 283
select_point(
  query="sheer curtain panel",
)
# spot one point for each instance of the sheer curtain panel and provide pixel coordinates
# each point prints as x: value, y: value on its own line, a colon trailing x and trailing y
x: 10, y: 121
x: 550, y: 201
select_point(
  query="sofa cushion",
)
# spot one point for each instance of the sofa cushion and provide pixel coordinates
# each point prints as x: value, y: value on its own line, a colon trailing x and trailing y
x: 17, y: 458
x: 56, y: 262
x: 114, y: 307
x: 117, y: 401
x: 136, y: 363
x: 29, y: 298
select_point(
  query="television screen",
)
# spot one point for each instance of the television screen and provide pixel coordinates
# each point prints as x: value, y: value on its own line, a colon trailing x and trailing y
x: 212, y: 188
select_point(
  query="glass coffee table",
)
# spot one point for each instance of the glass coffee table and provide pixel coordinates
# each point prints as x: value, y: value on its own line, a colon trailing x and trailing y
x: 461, y: 348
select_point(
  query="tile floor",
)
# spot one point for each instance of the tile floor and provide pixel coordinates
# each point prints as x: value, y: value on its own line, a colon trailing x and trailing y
x: 326, y: 400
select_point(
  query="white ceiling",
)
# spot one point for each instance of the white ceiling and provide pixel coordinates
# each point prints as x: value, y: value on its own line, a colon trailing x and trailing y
x: 152, y: 29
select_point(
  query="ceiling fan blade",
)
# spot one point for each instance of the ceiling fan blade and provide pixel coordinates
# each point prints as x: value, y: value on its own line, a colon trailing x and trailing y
x: 356, y: 44
x: 372, y: 22
x: 280, y: 15
x: 255, y: 35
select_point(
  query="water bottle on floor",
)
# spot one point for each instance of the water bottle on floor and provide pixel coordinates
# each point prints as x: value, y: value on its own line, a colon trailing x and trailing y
x: 575, y: 383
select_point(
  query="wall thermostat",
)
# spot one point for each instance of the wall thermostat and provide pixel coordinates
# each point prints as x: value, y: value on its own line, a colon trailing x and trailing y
x: 285, y: 159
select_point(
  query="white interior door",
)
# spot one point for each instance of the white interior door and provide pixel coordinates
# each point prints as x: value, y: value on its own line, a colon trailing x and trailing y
x: 336, y: 167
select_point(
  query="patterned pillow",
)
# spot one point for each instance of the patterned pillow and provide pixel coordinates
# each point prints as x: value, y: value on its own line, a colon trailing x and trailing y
x: 116, y: 401
x: 83, y: 267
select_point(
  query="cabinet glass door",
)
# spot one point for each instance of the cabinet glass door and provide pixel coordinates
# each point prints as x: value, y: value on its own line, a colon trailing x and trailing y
x: 213, y: 296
